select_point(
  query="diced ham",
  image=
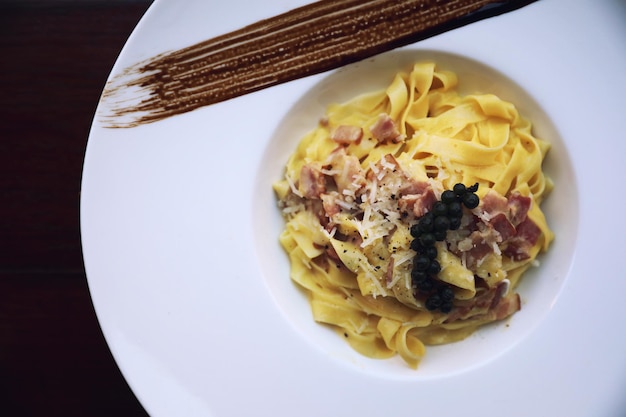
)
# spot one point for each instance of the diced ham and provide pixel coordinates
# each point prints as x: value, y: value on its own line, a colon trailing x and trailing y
x: 316, y: 207
x: 424, y: 202
x: 417, y: 197
x: 346, y: 134
x: 477, y: 246
x: 493, y: 203
x: 329, y: 202
x: 482, y: 245
x: 406, y: 203
x: 505, y: 215
x: 518, y: 247
x: 518, y: 206
x: 472, y: 224
x: 332, y: 254
x: 506, y: 307
x: 312, y: 181
x: 492, y: 305
x: 528, y: 231
x: 349, y: 174
x: 414, y: 187
x: 503, y: 226
x: 384, y: 130
x: 387, y: 167
x: 476, y: 306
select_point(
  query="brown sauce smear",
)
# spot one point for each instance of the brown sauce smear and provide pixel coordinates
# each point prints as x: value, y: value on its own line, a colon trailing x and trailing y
x: 308, y: 40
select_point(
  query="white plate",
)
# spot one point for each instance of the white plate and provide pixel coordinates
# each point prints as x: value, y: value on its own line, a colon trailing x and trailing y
x: 180, y: 228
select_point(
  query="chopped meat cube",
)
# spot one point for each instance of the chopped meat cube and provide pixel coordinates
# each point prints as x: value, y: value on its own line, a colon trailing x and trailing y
x: 312, y: 181
x: 385, y: 130
x: 346, y: 134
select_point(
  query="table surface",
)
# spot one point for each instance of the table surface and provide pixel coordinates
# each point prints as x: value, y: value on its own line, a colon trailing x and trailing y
x: 55, y: 58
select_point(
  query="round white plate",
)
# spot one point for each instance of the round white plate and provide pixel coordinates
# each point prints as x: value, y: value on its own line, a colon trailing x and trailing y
x: 192, y: 289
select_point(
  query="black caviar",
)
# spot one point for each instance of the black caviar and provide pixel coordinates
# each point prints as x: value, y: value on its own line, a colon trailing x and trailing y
x: 432, y: 227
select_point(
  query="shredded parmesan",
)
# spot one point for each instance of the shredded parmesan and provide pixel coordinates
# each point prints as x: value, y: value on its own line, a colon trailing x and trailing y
x: 387, y: 164
x: 294, y: 209
x: 292, y: 186
x: 344, y: 204
x: 496, y: 248
x: 373, y: 191
x: 379, y: 288
x: 330, y: 172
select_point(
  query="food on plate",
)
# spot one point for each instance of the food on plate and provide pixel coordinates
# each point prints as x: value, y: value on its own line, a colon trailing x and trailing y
x: 412, y: 213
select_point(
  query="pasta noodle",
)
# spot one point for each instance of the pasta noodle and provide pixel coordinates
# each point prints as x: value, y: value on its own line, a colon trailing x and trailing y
x: 357, y: 185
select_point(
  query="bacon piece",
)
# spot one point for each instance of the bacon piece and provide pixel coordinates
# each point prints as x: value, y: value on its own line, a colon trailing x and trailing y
x: 316, y: 207
x: 414, y: 187
x: 346, y: 134
x: 312, y: 181
x: 406, y: 203
x: 518, y: 247
x: 349, y: 174
x: 329, y: 202
x: 417, y: 197
x: 503, y: 226
x: 503, y: 214
x: 384, y: 130
x: 424, y: 202
x: 481, y: 247
x: 492, y: 305
x: 332, y: 254
x: 528, y: 231
x: 493, y: 203
x: 476, y: 306
x: 472, y: 224
x: 506, y: 306
x: 518, y: 206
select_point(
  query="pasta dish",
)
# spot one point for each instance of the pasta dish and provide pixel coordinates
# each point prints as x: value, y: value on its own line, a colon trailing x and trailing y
x: 412, y: 213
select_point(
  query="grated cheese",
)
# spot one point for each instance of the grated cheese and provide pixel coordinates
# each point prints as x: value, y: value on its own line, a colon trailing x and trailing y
x: 381, y: 291
x: 292, y: 186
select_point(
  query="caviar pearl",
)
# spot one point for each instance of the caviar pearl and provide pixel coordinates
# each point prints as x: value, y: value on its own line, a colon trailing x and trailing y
x: 425, y: 223
x: 445, y: 307
x: 428, y: 239
x: 455, y: 209
x: 440, y: 235
x: 470, y: 200
x: 431, y: 252
x: 441, y: 223
x: 426, y: 285
x: 455, y: 223
x: 418, y: 276
x: 433, y: 302
x: 446, y: 293
x: 434, y: 268
x: 459, y: 189
x: 440, y: 209
x: 421, y: 263
x: 448, y: 196
x: 416, y: 245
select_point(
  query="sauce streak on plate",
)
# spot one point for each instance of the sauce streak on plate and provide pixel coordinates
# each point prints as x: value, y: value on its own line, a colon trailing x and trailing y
x: 308, y: 40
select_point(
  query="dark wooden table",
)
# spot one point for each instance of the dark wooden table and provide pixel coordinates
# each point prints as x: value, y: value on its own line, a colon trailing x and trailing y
x: 55, y: 57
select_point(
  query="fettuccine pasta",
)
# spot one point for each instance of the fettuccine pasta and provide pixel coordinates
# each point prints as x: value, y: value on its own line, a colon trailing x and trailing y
x: 361, y: 188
